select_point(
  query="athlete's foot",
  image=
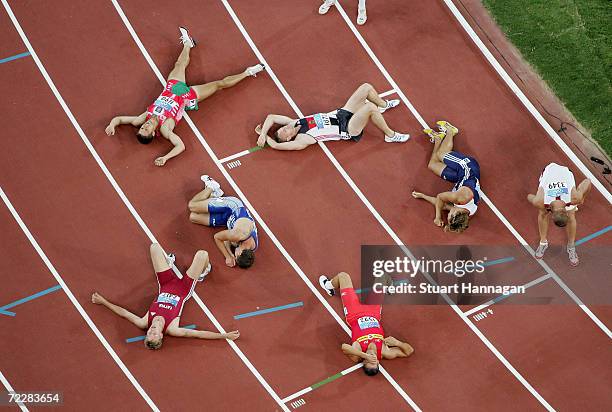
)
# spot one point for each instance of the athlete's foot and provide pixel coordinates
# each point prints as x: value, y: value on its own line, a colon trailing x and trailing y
x: 573, y: 256
x: 253, y: 70
x: 205, y: 273
x: 326, y: 284
x: 362, y: 17
x: 213, y: 185
x: 186, y: 39
x: 397, y: 138
x: 445, y: 126
x: 539, y: 253
x: 170, y: 258
x: 433, y: 135
x: 324, y: 8
x: 390, y: 105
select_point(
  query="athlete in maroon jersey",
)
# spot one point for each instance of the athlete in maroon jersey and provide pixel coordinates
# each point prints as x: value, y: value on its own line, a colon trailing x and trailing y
x: 367, y: 336
x: 168, y: 109
x: 164, y: 313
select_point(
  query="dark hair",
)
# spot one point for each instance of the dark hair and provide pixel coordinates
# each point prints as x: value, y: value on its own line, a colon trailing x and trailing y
x: 246, y: 258
x: 459, y: 222
x: 370, y: 371
x: 154, y: 345
x: 144, y: 139
x: 560, y: 218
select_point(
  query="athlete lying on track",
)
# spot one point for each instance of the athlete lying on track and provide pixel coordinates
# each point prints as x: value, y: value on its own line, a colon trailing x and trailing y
x: 239, y: 241
x: 168, y: 109
x: 457, y: 168
x: 346, y: 123
x: 367, y: 336
x: 164, y: 313
x: 558, y: 195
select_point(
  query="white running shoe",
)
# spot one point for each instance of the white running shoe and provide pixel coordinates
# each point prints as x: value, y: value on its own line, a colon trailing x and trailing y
x: 390, y: 105
x: 324, y: 8
x: 539, y: 253
x: 253, y: 70
x: 213, y: 184
x: 186, y: 39
x: 205, y: 273
x: 362, y: 17
x: 326, y: 284
x: 397, y: 138
x: 573, y: 256
x: 170, y: 258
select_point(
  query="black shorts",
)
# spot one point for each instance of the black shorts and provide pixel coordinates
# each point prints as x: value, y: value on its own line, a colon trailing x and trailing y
x: 343, y: 117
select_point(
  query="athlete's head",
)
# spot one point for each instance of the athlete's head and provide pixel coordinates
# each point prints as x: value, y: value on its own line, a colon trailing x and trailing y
x: 559, y: 214
x: 286, y: 133
x: 244, y: 253
x: 155, y: 334
x: 371, y: 368
x: 146, y: 132
x: 458, y: 219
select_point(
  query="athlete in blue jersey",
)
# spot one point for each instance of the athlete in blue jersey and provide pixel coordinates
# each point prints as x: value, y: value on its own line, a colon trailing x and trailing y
x: 239, y: 241
x: 462, y: 201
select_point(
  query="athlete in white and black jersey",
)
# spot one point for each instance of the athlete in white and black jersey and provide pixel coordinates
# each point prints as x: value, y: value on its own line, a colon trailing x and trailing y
x: 346, y: 123
x: 558, y: 195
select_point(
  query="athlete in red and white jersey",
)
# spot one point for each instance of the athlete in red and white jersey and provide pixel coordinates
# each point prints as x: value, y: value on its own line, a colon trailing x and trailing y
x: 167, y: 110
x: 368, y: 343
x: 164, y: 313
x: 346, y: 123
x: 558, y: 196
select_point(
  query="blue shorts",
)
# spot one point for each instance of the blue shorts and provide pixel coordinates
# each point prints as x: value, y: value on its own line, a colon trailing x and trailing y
x: 220, y: 210
x: 460, y: 167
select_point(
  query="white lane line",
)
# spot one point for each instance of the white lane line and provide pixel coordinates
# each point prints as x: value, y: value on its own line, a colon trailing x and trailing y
x: 234, y: 156
x: 308, y: 389
x: 505, y: 221
x: 134, y: 213
x: 387, y: 93
x: 75, y: 302
x: 492, y: 301
x: 528, y: 105
x: 10, y: 389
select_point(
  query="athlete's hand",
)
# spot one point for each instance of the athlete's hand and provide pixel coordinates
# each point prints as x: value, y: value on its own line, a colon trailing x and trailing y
x: 258, y: 129
x: 97, y: 298
x: 438, y: 222
x: 110, y: 130
x: 160, y: 161
x: 233, y: 335
x: 230, y: 261
x: 369, y: 358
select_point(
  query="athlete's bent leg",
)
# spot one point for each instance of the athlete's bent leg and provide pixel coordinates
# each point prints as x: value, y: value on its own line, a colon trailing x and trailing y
x: 199, y: 264
x: 342, y: 281
x: 198, y: 202
x: 571, y: 229
x: 436, y: 164
x: 543, y: 225
x: 362, y: 116
x: 158, y: 258
x: 364, y: 92
x: 178, y: 72
x: 206, y: 90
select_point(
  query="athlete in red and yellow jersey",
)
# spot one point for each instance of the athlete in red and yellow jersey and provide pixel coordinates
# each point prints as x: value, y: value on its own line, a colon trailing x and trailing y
x: 168, y: 109
x: 368, y: 343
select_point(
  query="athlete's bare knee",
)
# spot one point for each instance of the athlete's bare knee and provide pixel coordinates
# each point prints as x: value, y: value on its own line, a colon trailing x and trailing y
x: 194, y: 217
x: 366, y: 87
x: 344, y: 276
x: 154, y: 247
x: 202, y: 255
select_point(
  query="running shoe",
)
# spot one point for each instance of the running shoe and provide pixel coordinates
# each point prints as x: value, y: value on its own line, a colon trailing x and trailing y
x: 326, y: 284
x: 390, y: 105
x: 324, y: 8
x: 186, y: 39
x: 444, y: 126
x: 539, y: 253
x: 213, y: 184
x: 170, y: 258
x: 205, y: 273
x: 253, y: 70
x: 362, y: 17
x: 573, y: 256
x: 433, y: 135
x: 397, y: 138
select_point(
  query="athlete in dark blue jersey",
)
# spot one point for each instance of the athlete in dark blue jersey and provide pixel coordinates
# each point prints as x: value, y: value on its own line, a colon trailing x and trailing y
x: 462, y: 201
x: 239, y: 241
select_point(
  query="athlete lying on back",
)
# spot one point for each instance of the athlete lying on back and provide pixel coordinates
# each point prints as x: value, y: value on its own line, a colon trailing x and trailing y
x: 346, y: 123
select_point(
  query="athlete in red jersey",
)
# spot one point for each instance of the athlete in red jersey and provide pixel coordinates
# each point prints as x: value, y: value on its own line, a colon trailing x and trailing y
x: 164, y: 313
x: 367, y: 335
x: 167, y: 110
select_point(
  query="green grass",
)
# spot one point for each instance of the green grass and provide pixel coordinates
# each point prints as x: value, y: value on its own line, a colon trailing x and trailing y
x: 568, y: 43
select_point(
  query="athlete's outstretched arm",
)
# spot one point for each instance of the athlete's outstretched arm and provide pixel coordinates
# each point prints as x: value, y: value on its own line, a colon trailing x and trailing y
x: 270, y: 121
x: 396, y: 348
x: 581, y: 191
x: 537, y: 200
x: 220, y: 239
x: 179, y: 146
x: 98, y: 299
x: 202, y: 334
x: 133, y: 120
x: 298, y: 143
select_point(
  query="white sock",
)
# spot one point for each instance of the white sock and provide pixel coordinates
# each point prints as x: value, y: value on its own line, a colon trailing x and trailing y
x: 362, y: 4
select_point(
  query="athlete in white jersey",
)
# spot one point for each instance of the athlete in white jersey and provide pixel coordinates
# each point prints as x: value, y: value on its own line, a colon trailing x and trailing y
x: 558, y: 195
x: 346, y: 123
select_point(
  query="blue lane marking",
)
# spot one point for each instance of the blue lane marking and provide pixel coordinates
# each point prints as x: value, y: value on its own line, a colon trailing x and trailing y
x: 29, y: 298
x: 264, y: 311
x: 15, y: 57
x: 137, y: 338
x: 498, y: 261
x: 7, y: 313
x: 594, y: 235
